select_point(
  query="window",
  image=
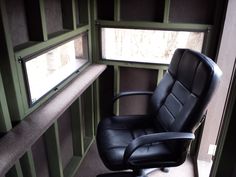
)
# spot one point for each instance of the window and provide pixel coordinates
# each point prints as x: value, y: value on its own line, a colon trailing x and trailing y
x: 45, y: 71
x: 147, y: 46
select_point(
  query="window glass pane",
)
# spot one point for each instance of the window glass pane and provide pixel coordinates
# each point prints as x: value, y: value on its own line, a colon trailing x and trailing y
x: 46, y: 71
x: 149, y: 46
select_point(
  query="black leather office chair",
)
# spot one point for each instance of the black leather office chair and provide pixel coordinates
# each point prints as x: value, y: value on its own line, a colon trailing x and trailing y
x: 162, y: 138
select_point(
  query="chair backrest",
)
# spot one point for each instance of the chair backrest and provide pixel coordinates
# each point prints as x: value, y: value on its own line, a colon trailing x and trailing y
x: 181, y: 97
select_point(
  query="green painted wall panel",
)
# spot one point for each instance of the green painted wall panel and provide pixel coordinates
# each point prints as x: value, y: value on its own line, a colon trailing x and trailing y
x: 5, y: 122
x: 8, y: 68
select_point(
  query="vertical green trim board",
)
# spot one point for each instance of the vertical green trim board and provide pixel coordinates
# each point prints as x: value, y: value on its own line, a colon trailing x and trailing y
x: 53, y: 151
x: 35, y: 20
x: 8, y: 68
x: 76, y: 9
x: 81, y: 116
x: 206, y: 42
x: 96, y: 105
x: 89, y: 112
x: 24, y: 95
x: 89, y: 13
x: 15, y: 171
x: 74, y: 12
x: 93, y: 110
x: 160, y: 75
x: 5, y: 122
x: 94, y: 9
x: 116, y: 88
x: 117, y: 10
x: 94, y: 31
x: 68, y: 14
x: 167, y: 11
x: 90, y: 34
x: 76, y: 125
x: 43, y: 19
x: 27, y: 164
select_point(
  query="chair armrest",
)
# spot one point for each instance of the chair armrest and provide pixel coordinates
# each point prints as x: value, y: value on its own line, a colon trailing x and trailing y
x: 124, y: 94
x: 154, y: 138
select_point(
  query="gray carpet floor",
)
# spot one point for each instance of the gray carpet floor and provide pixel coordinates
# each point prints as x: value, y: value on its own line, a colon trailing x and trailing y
x: 92, y: 166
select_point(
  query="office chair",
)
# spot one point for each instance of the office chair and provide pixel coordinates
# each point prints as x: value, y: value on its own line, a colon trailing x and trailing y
x: 162, y: 138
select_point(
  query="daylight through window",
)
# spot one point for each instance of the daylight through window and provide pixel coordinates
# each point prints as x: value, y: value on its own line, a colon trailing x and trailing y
x: 148, y: 46
x: 47, y: 70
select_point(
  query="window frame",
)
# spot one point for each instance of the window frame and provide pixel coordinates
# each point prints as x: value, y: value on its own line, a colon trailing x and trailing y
x: 63, y: 82
x: 123, y: 62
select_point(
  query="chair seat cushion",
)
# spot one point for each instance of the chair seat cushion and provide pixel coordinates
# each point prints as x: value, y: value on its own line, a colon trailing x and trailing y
x: 114, y: 135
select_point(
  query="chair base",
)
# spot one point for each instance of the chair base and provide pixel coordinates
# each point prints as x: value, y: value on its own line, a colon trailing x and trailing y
x: 139, y: 173
x: 118, y: 174
x: 165, y: 170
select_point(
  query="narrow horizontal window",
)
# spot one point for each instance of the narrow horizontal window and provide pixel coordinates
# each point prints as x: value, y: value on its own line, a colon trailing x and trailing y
x: 147, y: 46
x: 45, y: 71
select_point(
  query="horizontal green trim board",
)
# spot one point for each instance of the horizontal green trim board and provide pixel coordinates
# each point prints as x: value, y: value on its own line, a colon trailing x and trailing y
x: 135, y: 65
x: 27, y: 132
x: 155, y: 25
x: 56, y: 39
